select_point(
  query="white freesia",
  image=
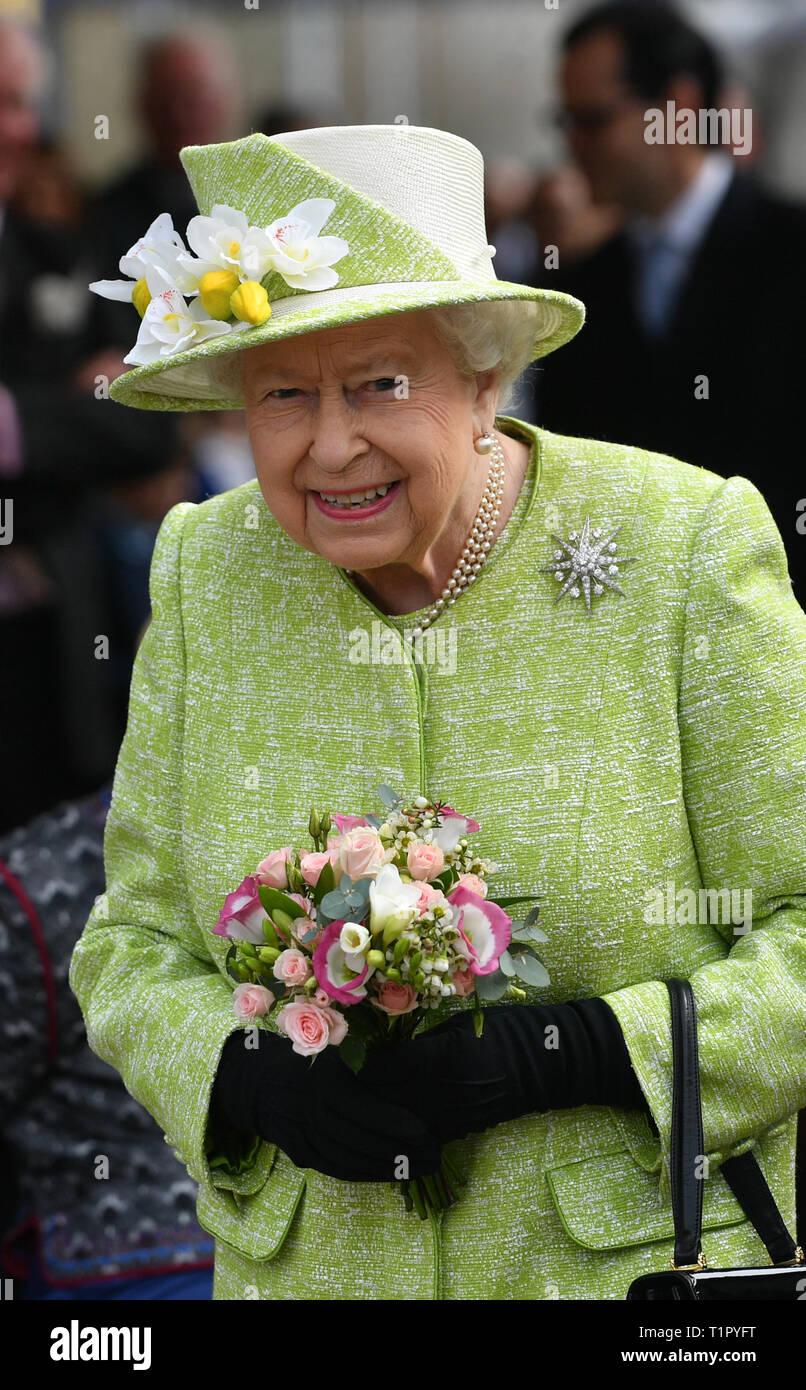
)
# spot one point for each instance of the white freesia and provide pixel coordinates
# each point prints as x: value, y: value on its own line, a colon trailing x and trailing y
x: 353, y: 939
x: 392, y: 902
x: 291, y: 246
x: 169, y: 325
x: 161, y: 246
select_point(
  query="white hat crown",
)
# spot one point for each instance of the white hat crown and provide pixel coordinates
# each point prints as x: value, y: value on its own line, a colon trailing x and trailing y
x: 432, y: 179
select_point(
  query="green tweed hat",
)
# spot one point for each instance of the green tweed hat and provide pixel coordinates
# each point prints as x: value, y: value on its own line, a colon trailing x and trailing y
x: 402, y: 208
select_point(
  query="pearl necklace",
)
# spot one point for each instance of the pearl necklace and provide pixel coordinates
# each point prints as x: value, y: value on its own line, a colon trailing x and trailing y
x: 479, y: 542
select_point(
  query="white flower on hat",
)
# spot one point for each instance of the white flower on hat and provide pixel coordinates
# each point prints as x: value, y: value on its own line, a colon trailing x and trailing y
x: 218, y: 241
x: 161, y: 246
x: 169, y: 325
x: 232, y: 258
x: 291, y: 246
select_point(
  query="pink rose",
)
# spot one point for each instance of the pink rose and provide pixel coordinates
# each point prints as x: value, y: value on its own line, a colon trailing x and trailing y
x: 464, y: 982
x: 428, y: 896
x: 425, y: 861
x: 251, y: 1001
x: 311, y: 865
x: 272, y: 871
x: 305, y: 903
x: 301, y: 926
x: 360, y: 852
x: 338, y: 1024
x: 473, y: 883
x: 292, y: 967
x: 306, y: 1025
x: 396, y: 998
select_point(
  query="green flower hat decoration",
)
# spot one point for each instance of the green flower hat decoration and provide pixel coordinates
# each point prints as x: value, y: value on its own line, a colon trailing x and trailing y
x: 305, y: 231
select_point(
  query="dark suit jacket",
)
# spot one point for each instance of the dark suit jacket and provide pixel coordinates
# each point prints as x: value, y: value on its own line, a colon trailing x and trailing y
x: 737, y: 320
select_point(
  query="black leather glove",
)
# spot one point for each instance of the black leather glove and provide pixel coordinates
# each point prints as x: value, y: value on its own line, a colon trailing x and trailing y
x: 317, y: 1111
x: 460, y: 1084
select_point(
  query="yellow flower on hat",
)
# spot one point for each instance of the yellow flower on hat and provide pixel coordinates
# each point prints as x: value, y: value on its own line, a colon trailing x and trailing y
x: 169, y: 325
x: 141, y: 295
x: 232, y: 258
x: 251, y: 302
x: 216, y: 288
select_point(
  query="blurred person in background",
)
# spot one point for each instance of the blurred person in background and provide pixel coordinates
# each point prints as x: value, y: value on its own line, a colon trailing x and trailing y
x: 689, y: 346
x: 70, y: 1226
x: 187, y: 93
x: 537, y: 223
x: 568, y: 224
x: 63, y: 443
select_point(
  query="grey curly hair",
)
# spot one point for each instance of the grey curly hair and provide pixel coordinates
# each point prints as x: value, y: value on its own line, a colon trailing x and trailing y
x: 480, y: 336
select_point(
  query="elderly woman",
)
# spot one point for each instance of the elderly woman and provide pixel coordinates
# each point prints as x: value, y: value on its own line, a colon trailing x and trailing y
x: 617, y: 696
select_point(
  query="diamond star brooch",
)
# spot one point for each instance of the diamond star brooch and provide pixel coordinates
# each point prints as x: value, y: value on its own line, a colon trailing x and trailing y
x: 589, y: 558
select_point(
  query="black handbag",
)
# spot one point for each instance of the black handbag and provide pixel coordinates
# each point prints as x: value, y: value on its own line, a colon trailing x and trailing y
x: 689, y: 1277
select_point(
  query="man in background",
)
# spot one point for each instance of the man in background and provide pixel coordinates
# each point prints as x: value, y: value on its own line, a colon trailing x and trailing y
x: 689, y: 345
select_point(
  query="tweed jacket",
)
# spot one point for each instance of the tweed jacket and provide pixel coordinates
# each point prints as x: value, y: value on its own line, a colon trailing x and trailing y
x: 642, y: 767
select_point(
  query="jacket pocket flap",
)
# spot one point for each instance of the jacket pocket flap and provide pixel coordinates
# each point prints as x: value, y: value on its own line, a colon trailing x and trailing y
x: 609, y: 1201
x: 254, y: 1223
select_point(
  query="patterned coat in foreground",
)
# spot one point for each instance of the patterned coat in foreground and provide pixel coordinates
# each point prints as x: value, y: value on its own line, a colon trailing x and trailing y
x: 618, y: 764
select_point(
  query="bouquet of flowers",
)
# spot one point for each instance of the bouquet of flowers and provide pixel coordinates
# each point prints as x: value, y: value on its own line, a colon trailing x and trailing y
x: 373, y: 931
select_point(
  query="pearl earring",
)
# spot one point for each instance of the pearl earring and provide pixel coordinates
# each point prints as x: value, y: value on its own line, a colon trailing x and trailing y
x: 484, y: 443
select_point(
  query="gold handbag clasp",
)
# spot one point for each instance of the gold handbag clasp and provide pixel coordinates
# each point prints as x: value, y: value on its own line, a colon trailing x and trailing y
x: 798, y: 1259
x: 699, y: 1265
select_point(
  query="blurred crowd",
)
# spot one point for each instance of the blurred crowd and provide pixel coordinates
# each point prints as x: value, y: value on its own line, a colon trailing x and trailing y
x: 693, y: 279
x: 85, y: 482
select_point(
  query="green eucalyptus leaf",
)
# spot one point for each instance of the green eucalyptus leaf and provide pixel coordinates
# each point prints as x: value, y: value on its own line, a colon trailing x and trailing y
x: 529, y: 934
x: 506, y: 963
x: 387, y: 795
x: 491, y: 987
x: 334, y: 905
x: 531, y: 970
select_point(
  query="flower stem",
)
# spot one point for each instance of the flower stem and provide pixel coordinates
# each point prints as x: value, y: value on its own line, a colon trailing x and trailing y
x: 417, y: 1198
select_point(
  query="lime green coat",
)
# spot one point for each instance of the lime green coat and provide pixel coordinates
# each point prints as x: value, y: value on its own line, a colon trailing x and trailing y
x: 613, y: 760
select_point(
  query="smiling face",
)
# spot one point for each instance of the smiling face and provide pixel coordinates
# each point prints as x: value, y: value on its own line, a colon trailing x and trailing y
x: 324, y: 415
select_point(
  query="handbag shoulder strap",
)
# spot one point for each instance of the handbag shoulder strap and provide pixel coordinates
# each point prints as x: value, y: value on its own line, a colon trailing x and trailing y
x: 742, y: 1173
x: 687, y: 1134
